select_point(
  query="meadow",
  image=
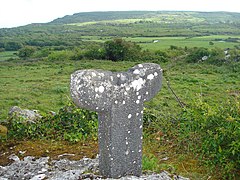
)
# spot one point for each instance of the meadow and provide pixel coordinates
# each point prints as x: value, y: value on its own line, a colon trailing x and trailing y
x: 163, y: 43
x: 44, y: 85
x: 7, y: 55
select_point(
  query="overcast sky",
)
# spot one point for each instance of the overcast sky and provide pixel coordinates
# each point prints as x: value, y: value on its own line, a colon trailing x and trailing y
x: 21, y: 12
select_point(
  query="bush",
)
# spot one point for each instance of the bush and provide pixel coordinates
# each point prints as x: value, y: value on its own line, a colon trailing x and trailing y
x: 119, y: 50
x: 70, y: 123
x: 196, y: 54
x: 60, y: 55
x: 26, y: 52
x: 218, y: 131
x: 211, y: 131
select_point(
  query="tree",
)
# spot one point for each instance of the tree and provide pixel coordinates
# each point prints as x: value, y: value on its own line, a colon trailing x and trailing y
x: 26, y: 52
x: 12, y: 46
x: 119, y: 50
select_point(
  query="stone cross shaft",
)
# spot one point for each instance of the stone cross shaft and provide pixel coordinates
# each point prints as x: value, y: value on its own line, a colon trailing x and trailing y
x: 118, y: 98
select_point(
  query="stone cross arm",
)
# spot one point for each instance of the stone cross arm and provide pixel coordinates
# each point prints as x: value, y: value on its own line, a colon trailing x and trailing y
x: 98, y: 90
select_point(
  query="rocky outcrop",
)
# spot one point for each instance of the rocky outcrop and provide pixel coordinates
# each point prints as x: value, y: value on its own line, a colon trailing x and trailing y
x: 64, y: 169
x: 29, y: 116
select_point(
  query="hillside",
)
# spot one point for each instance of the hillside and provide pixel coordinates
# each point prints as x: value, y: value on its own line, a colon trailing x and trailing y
x: 154, y: 16
x: 75, y: 30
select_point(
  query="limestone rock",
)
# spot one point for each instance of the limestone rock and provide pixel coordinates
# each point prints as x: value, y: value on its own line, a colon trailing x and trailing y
x: 30, y: 116
x: 64, y: 169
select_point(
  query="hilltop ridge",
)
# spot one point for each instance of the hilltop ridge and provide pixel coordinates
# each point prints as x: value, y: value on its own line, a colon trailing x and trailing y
x: 147, y: 15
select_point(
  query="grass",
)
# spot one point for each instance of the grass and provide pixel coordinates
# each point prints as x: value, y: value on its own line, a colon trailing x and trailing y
x: 7, y: 55
x: 44, y: 85
x: 203, y: 41
x: 166, y: 42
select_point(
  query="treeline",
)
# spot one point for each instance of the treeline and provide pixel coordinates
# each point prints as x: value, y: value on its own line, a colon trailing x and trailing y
x: 122, y: 50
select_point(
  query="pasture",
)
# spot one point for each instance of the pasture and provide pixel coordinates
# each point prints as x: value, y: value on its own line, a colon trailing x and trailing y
x: 7, y: 55
x: 44, y: 85
x: 161, y: 43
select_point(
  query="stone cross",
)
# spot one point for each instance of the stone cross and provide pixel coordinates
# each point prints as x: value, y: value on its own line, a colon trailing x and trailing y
x: 118, y: 98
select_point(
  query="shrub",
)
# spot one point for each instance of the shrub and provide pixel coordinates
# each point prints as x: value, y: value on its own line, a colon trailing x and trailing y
x: 119, y: 50
x: 70, y: 123
x: 214, y: 131
x: 196, y: 54
x: 26, y: 52
x: 60, y: 55
x: 211, y: 131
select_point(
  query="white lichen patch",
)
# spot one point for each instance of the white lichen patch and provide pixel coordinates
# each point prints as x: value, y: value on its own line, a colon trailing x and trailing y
x: 136, y: 71
x: 139, y: 97
x: 137, y: 84
x: 124, y: 102
x: 123, y: 78
x: 150, y: 76
x: 137, y: 101
x: 140, y: 65
x: 155, y: 74
x: 127, y: 88
x: 129, y: 116
x: 101, y: 89
x: 96, y: 89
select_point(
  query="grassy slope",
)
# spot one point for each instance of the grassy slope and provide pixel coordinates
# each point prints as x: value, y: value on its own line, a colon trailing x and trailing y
x: 45, y: 85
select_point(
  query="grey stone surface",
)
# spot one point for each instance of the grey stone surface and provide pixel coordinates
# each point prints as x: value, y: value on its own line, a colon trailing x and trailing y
x: 43, y: 168
x: 30, y: 116
x: 118, y: 98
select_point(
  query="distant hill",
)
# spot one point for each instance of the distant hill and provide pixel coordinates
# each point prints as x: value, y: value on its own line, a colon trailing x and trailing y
x: 99, y: 16
x: 74, y: 30
x: 159, y: 16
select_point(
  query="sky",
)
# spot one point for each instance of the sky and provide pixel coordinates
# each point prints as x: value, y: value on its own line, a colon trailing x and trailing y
x: 15, y: 13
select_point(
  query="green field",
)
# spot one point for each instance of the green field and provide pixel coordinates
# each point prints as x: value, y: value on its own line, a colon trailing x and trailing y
x: 44, y: 85
x: 7, y: 55
x: 165, y: 42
